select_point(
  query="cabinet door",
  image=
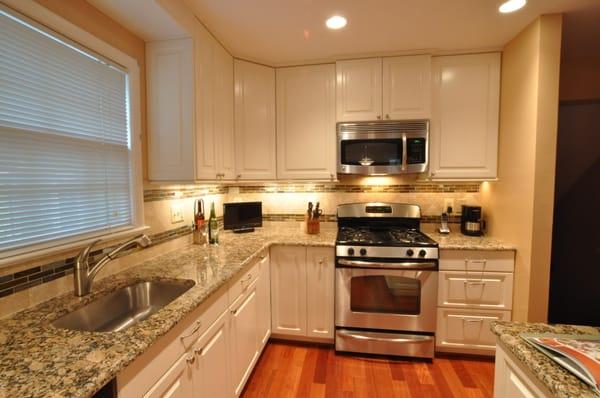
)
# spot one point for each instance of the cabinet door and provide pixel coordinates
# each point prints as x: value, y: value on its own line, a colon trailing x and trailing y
x: 288, y: 290
x: 407, y: 87
x: 170, y: 110
x: 263, y: 293
x: 358, y: 89
x: 211, y: 377
x: 223, y: 96
x: 464, y: 124
x: 243, y: 332
x: 320, y: 271
x: 254, y: 121
x: 206, y: 142
x: 513, y: 379
x: 306, y: 122
x: 177, y: 382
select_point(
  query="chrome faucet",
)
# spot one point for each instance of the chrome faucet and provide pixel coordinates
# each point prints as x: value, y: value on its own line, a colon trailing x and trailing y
x: 84, y: 274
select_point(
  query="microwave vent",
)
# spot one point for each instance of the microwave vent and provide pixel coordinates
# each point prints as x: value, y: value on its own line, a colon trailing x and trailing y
x: 384, y: 126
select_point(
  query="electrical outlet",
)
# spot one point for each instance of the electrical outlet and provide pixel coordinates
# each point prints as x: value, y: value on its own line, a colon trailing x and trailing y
x: 176, y: 214
x: 448, y: 205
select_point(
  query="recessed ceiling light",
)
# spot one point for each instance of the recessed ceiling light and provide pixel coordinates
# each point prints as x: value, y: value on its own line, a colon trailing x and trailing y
x: 336, y: 22
x: 511, y: 5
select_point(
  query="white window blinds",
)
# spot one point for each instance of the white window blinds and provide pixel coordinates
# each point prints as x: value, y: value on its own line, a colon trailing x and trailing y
x: 65, y: 153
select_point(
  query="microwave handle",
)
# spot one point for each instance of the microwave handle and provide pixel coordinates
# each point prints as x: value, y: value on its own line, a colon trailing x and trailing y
x: 404, y: 152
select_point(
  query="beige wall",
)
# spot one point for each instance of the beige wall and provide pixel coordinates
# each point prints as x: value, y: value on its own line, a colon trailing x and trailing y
x: 89, y: 18
x: 520, y: 204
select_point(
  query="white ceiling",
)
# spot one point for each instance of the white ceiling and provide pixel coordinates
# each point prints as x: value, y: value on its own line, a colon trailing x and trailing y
x: 145, y: 18
x: 287, y: 32
x: 280, y: 32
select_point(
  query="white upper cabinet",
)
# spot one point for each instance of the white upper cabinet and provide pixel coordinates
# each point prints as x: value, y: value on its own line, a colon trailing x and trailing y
x: 407, y: 87
x: 306, y: 122
x: 190, y: 109
x: 464, y: 123
x: 388, y: 88
x: 358, y: 89
x: 170, y: 86
x: 214, y: 108
x: 255, y: 143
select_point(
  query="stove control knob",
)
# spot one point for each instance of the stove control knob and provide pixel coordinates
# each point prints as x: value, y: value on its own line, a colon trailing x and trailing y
x: 422, y: 253
x: 409, y: 252
x: 363, y: 252
x: 351, y: 252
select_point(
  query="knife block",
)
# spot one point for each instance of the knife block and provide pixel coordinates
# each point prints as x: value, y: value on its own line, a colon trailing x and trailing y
x: 313, y: 227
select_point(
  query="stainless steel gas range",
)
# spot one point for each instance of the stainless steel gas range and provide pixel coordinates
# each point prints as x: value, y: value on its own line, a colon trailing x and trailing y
x: 386, y: 281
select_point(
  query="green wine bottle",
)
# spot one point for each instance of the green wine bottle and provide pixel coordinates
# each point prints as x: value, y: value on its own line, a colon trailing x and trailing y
x: 213, y: 226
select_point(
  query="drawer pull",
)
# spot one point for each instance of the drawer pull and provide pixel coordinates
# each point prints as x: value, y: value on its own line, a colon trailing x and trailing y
x: 198, y: 351
x: 196, y: 328
x: 246, y: 279
x: 472, y: 320
x: 234, y: 312
x: 475, y: 283
x: 190, y: 359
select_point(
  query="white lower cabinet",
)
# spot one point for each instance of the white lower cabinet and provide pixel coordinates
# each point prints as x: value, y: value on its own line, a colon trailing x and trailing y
x: 176, y: 383
x: 514, y: 380
x: 302, y: 292
x: 211, y: 363
x: 244, y: 337
x: 263, y: 296
x: 320, y: 273
x: 210, y: 353
x: 474, y: 289
x: 467, y: 330
x: 288, y: 290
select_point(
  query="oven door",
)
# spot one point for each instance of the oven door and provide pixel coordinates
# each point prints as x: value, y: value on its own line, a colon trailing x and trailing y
x: 388, y: 299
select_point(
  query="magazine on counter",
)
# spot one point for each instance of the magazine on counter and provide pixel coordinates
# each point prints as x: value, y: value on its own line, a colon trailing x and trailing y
x: 580, y: 354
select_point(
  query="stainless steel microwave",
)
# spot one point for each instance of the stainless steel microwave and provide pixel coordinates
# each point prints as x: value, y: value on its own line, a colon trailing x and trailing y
x: 383, y: 148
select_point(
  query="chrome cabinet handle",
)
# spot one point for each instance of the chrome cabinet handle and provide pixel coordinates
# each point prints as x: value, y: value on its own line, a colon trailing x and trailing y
x: 239, y: 176
x: 320, y: 261
x: 246, y: 279
x: 196, y: 328
x: 190, y: 359
x: 234, y: 312
x: 471, y: 320
x: 378, y: 117
x: 387, y: 116
x: 475, y: 283
x: 198, y: 351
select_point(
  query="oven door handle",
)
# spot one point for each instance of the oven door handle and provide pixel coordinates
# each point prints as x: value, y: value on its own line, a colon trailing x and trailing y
x: 411, y: 339
x: 376, y: 264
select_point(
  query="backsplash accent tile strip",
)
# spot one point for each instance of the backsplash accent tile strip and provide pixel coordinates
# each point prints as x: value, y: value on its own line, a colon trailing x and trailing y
x: 13, y: 283
x: 151, y: 195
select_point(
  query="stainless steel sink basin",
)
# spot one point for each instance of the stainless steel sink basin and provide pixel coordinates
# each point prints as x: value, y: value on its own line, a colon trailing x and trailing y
x: 124, y: 307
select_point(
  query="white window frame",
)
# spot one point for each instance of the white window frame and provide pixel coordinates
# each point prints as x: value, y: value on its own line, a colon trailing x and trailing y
x: 56, y: 23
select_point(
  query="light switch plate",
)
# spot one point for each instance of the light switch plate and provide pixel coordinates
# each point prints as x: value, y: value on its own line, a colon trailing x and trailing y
x: 176, y: 214
x: 448, y: 202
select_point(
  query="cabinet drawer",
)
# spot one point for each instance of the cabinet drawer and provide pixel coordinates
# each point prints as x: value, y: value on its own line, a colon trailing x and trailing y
x: 467, y: 331
x: 477, y: 260
x: 240, y: 283
x: 490, y: 290
x: 137, y: 378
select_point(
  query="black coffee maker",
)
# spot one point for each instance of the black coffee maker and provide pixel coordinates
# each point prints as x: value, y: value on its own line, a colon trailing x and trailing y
x: 471, y: 223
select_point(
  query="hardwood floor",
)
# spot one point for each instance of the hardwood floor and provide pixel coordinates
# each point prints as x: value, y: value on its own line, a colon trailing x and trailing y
x: 293, y: 370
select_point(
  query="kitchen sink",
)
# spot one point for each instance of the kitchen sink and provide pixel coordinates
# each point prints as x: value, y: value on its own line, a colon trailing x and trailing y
x: 124, y: 307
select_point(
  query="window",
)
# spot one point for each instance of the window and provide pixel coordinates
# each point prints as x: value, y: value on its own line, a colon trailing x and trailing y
x: 66, y: 155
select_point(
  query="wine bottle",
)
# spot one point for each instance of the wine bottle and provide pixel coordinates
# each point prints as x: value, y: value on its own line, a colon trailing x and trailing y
x: 213, y: 226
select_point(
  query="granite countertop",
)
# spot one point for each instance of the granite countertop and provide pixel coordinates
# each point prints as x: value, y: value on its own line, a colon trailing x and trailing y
x: 38, y: 360
x: 458, y: 241
x: 560, y: 382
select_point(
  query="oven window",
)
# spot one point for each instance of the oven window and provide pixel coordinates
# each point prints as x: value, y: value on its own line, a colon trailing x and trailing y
x: 385, y: 294
x: 415, y: 150
x: 374, y: 152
